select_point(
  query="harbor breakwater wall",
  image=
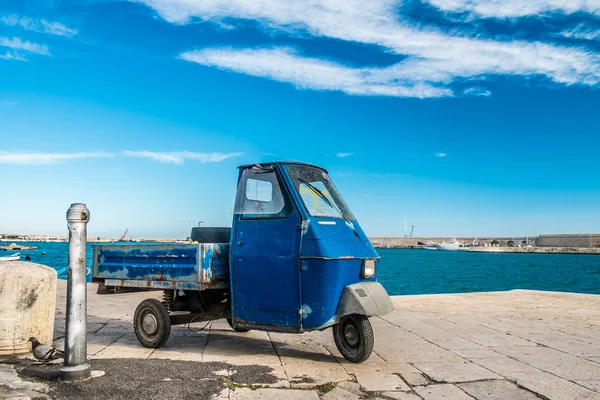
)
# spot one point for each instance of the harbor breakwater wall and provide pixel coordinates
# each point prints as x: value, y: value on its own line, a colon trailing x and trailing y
x: 411, y: 242
x: 591, y: 240
x: 571, y: 240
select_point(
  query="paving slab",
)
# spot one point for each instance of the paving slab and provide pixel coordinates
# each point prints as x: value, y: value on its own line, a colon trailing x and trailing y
x: 592, y: 385
x: 376, y: 382
x: 302, y: 374
x: 504, y: 366
x: 483, y: 353
x: 555, y: 362
x: 351, y: 387
x: 437, y: 336
x: 273, y: 394
x: 127, y: 346
x: 187, y: 348
x: 401, y: 395
x: 442, y: 392
x: 339, y: 394
x: 553, y: 387
x: 496, y: 390
x: 456, y: 372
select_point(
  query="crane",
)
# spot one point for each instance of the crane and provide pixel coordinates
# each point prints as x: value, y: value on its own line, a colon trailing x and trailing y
x: 124, y: 235
x: 412, y: 230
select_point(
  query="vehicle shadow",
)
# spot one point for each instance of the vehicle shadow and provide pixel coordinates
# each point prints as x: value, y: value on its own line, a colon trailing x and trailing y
x: 244, y: 344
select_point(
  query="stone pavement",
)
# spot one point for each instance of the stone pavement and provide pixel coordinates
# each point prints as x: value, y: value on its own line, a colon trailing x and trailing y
x: 500, y: 345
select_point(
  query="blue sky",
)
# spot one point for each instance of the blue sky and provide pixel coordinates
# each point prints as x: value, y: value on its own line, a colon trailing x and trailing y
x: 460, y: 115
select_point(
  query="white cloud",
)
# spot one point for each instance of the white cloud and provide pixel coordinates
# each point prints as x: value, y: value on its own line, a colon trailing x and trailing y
x: 282, y: 64
x: 179, y: 157
x: 516, y: 8
x: 433, y: 56
x: 42, y: 25
x: 441, y: 155
x: 477, y: 91
x: 581, y: 32
x: 18, y: 44
x: 342, y: 155
x: 46, y: 158
x: 12, y: 56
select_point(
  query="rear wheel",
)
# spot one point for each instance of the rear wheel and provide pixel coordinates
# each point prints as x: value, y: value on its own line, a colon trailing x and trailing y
x: 230, y: 322
x: 151, y: 323
x: 354, y: 338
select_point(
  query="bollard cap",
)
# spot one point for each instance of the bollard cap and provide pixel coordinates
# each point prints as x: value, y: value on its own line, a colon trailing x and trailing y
x: 78, y: 212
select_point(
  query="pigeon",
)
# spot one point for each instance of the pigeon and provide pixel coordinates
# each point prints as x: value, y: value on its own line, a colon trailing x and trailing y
x: 43, y: 352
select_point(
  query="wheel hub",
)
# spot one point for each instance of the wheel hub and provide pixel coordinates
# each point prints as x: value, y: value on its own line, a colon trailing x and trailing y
x: 351, y: 335
x: 149, y: 324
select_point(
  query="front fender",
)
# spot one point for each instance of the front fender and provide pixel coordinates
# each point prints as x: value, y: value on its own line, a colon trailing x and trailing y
x: 365, y: 298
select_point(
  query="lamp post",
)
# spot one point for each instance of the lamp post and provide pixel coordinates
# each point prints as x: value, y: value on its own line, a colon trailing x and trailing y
x: 200, y: 223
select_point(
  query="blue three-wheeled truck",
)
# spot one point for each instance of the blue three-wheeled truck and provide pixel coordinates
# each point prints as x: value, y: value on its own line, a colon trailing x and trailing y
x: 295, y: 260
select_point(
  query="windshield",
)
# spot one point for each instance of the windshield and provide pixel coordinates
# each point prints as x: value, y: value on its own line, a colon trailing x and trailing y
x: 319, y: 195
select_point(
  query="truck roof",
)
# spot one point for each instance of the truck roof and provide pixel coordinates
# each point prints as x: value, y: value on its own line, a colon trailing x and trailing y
x: 281, y: 162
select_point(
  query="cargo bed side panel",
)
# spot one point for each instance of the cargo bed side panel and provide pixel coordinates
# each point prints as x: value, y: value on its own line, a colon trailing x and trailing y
x: 163, y: 266
x: 156, y: 262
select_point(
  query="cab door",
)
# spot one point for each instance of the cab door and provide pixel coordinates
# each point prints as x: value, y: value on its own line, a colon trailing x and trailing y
x: 265, y: 272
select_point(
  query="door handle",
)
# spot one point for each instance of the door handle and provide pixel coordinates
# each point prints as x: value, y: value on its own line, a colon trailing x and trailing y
x: 241, y: 242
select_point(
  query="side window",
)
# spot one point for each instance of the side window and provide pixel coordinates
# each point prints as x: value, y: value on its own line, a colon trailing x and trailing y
x: 260, y: 196
x: 259, y: 190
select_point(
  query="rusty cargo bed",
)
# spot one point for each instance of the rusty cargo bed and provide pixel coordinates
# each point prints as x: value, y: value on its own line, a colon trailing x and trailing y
x: 162, y: 266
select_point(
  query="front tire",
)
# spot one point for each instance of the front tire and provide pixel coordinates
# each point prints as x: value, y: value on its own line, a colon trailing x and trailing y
x: 354, y: 338
x: 151, y: 323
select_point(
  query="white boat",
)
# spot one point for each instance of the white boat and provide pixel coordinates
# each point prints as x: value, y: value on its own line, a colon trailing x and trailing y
x: 451, y: 245
x: 14, y: 257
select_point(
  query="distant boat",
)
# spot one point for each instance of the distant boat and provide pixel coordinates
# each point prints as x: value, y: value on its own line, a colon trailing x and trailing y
x: 427, y: 246
x: 451, y: 245
x: 14, y: 257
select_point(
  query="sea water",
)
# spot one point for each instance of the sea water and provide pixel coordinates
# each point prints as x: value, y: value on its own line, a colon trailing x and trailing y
x: 410, y: 271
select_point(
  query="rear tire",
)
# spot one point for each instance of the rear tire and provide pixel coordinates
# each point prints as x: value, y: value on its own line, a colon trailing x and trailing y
x: 241, y: 330
x: 354, y: 338
x: 151, y: 323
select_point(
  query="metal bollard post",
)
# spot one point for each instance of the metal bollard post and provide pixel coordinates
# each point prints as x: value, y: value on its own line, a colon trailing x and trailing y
x: 75, y: 364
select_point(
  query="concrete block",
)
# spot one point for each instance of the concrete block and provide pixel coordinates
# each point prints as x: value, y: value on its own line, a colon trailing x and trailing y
x: 28, y: 296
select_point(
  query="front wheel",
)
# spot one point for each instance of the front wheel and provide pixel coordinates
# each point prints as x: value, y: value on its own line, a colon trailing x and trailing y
x: 151, y: 323
x: 354, y: 338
